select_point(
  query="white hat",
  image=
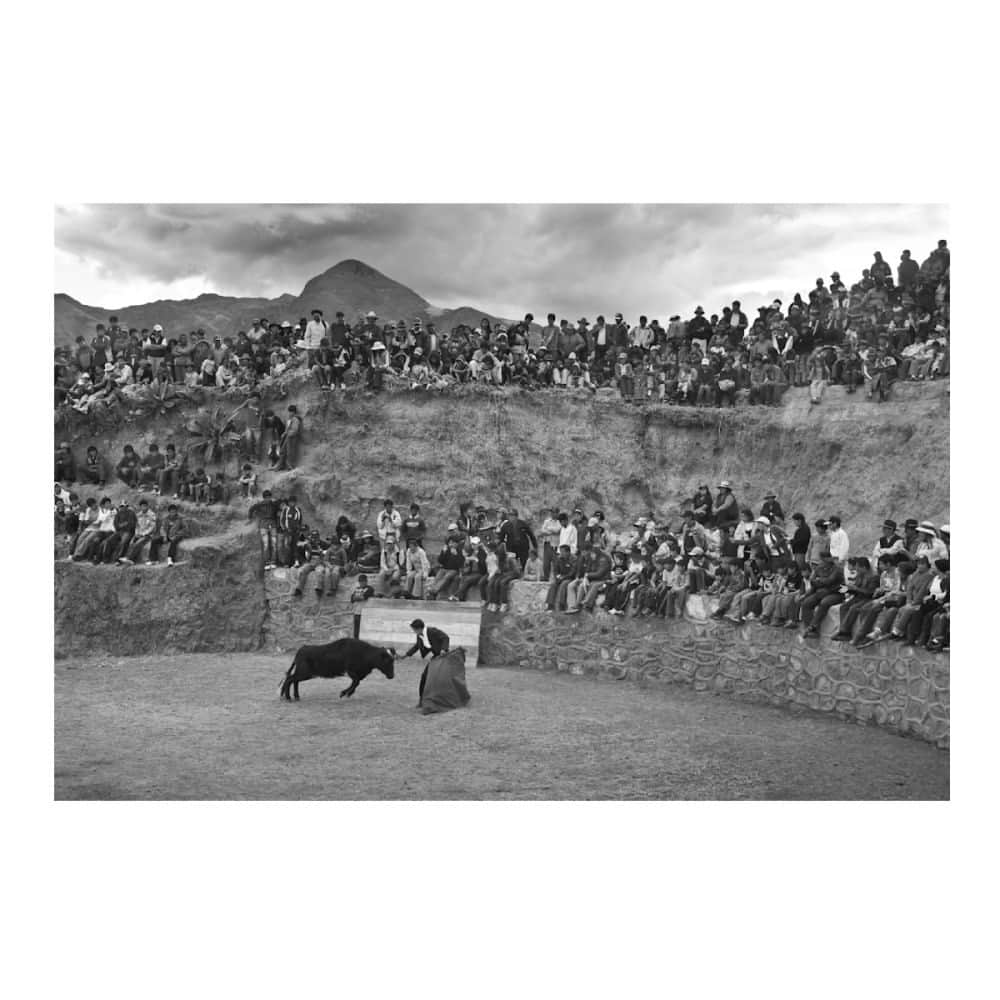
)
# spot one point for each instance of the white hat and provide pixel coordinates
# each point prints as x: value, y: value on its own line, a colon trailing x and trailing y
x: 108, y: 366
x: 945, y: 529
x: 927, y: 528
x: 157, y: 328
x: 474, y: 540
x: 697, y: 551
x: 370, y: 314
x: 286, y: 325
x: 725, y: 485
x: 378, y: 346
x: 572, y: 356
x: 763, y: 520
x: 453, y: 526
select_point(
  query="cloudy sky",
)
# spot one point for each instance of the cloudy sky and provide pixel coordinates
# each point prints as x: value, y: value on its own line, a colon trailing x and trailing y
x: 574, y: 260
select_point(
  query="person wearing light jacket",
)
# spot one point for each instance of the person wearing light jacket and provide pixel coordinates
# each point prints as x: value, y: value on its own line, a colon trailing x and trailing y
x: 390, y: 566
x: 389, y: 522
x: 316, y: 330
x: 929, y: 545
x: 145, y: 528
x: 417, y: 568
x: 641, y: 336
x: 96, y: 532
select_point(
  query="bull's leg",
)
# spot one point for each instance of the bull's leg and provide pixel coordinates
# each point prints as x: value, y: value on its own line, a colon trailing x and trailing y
x: 347, y: 692
x: 295, y: 688
x: 285, y: 684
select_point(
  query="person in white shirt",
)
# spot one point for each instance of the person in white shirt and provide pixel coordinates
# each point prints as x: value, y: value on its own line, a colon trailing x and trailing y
x: 642, y: 335
x: 930, y: 546
x: 95, y: 534
x: 314, y: 333
x: 743, y: 531
x: 840, y: 544
x: 389, y: 522
x: 225, y: 376
x: 568, y: 534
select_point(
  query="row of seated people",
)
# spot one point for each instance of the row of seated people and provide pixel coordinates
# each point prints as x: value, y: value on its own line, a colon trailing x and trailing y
x: 98, y: 532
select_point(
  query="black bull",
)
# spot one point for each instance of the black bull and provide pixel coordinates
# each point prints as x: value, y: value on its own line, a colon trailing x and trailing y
x: 343, y: 658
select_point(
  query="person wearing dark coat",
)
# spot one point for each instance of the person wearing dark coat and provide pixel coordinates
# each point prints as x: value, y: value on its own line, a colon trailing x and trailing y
x: 771, y: 509
x: 727, y: 510
x: 518, y: 537
x: 698, y: 328
x: 429, y: 640
x: 65, y: 464
x: 801, y: 537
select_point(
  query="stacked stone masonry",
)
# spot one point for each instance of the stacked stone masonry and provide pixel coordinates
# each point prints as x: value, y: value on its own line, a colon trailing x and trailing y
x: 902, y: 689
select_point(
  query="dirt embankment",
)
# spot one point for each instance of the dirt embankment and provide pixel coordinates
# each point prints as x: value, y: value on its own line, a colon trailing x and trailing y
x: 530, y: 450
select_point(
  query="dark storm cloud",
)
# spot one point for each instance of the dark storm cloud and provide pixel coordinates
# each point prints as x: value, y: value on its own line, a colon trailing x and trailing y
x: 571, y: 259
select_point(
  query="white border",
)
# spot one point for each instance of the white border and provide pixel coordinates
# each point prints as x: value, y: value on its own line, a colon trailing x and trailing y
x: 211, y: 102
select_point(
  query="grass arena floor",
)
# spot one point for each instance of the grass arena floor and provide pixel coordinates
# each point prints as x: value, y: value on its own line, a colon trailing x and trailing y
x: 210, y: 726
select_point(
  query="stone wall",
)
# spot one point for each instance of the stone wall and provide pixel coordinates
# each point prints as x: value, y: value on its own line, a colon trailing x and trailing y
x: 296, y: 621
x: 902, y: 689
x: 211, y: 601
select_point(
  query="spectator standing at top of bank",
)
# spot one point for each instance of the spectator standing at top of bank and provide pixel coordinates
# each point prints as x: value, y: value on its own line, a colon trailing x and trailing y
x: 315, y: 332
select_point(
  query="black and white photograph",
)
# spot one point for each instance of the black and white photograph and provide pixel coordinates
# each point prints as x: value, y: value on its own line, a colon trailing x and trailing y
x: 608, y: 506
x: 505, y: 468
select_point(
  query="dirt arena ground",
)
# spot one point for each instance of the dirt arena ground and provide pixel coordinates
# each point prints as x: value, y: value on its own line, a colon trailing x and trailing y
x: 212, y: 727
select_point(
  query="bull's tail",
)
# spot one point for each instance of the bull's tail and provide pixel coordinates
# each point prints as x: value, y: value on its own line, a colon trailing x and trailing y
x: 288, y: 675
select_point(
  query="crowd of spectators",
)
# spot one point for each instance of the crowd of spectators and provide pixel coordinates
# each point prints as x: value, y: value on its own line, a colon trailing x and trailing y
x: 757, y: 566
x: 762, y: 566
x: 865, y: 335
x: 118, y: 534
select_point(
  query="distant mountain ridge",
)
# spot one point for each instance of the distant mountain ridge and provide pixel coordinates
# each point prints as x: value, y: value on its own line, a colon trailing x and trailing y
x: 351, y: 287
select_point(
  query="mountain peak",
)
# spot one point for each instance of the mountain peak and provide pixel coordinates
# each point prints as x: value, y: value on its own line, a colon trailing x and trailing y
x: 350, y: 286
x: 357, y: 267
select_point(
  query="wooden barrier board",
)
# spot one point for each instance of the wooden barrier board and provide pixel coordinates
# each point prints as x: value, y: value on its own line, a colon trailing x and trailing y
x: 387, y: 623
